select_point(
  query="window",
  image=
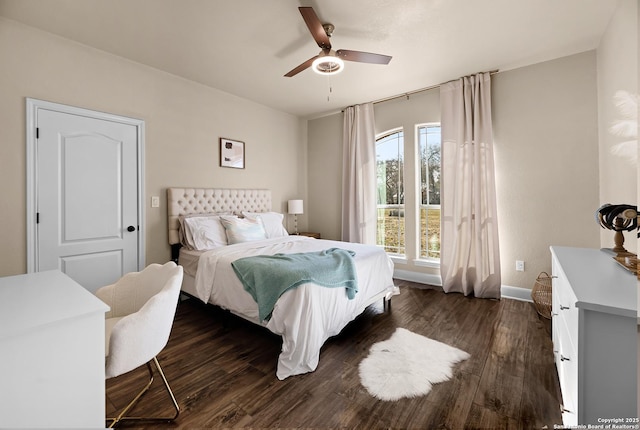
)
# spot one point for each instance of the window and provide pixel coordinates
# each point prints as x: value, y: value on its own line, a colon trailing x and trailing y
x: 391, y: 220
x: 429, y: 196
x: 390, y: 192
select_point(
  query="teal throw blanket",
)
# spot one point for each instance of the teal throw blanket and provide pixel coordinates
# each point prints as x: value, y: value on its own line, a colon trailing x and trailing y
x: 267, y: 277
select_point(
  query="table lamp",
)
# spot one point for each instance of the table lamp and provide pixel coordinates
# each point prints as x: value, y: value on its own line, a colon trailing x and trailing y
x: 295, y: 208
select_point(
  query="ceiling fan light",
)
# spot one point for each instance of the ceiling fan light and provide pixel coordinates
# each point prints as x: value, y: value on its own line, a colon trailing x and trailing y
x: 327, y: 65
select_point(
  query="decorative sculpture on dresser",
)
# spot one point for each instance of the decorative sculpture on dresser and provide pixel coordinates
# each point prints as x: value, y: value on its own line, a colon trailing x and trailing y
x: 618, y: 218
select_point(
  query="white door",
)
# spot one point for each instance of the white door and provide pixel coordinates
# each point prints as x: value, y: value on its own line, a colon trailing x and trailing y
x: 87, y: 214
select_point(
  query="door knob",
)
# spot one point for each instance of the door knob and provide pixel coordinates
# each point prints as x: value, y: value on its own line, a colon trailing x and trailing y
x: 131, y: 228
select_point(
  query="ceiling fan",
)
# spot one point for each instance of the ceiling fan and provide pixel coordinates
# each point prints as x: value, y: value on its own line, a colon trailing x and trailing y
x: 328, y: 61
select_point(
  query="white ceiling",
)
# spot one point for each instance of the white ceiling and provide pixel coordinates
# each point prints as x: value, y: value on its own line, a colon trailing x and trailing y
x: 244, y: 47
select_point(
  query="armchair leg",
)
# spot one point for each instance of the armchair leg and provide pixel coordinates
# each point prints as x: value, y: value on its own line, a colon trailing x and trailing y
x: 123, y: 415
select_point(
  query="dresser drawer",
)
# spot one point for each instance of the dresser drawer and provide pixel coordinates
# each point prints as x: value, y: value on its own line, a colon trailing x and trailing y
x: 564, y: 309
x: 569, y: 319
x: 567, y: 365
x: 562, y: 287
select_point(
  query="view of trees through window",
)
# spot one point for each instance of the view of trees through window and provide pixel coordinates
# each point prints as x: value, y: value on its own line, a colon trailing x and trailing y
x: 429, y: 145
x: 390, y: 191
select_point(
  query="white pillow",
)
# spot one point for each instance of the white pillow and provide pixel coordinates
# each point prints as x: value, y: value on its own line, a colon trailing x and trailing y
x: 243, y: 229
x: 184, y: 232
x: 272, y: 221
x: 185, y: 237
x: 206, y: 232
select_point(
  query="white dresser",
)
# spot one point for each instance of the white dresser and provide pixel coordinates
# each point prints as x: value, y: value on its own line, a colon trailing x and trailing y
x: 51, y: 353
x: 594, y: 323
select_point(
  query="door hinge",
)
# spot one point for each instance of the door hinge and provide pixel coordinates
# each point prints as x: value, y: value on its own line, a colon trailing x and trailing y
x: 37, y: 217
x: 37, y: 132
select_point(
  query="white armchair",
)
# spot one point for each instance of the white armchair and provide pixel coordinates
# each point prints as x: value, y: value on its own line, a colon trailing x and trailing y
x: 143, y: 306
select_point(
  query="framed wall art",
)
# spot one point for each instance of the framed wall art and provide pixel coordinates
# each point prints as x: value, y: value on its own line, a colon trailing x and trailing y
x: 231, y: 153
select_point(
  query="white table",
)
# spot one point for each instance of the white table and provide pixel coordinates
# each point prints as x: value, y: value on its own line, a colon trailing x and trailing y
x: 51, y: 353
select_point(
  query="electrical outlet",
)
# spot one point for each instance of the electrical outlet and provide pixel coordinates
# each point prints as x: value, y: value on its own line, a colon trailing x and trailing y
x: 519, y: 266
x: 155, y: 202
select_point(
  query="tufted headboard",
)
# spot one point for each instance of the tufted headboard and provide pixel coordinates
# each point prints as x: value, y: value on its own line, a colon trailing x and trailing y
x: 185, y: 201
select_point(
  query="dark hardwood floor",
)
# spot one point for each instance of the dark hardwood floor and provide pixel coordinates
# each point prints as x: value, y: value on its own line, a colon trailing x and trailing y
x: 222, y: 370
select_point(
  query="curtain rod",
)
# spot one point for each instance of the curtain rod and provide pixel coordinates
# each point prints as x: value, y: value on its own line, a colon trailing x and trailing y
x: 410, y: 93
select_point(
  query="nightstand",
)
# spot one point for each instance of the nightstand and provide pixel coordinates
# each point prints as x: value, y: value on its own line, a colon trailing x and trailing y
x: 309, y: 234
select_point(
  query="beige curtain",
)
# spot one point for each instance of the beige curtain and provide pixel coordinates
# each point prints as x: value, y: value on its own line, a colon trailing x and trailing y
x: 359, y: 175
x: 470, y: 255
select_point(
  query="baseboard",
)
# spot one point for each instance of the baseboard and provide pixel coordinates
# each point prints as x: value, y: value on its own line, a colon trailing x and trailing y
x: 506, y: 291
x: 422, y: 278
x: 516, y: 293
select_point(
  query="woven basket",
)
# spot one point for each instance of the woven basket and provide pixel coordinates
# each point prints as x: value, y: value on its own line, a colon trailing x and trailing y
x: 541, y: 295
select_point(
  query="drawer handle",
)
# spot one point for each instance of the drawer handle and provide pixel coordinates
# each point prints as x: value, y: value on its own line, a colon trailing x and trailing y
x: 563, y: 308
x: 566, y: 410
x: 563, y: 358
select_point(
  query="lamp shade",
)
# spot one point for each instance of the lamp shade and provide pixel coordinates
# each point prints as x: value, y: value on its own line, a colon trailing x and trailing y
x: 295, y: 207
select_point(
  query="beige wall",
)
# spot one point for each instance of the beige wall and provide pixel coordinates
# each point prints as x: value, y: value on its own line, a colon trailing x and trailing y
x: 324, y: 146
x: 183, y: 121
x: 553, y: 159
x: 545, y: 127
x: 545, y: 123
x: 546, y: 154
x: 617, y: 70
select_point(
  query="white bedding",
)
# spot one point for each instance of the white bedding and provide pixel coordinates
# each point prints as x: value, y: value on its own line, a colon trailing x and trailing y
x: 305, y: 316
x: 189, y: 261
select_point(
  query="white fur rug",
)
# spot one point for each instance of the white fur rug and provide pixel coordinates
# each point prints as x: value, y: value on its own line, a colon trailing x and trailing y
x: 407, y: 365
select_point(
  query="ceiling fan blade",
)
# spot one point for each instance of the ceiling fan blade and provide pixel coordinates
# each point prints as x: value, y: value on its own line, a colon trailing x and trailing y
x: 363, y: 57
x: 315, y: 27
x: 301, y: 67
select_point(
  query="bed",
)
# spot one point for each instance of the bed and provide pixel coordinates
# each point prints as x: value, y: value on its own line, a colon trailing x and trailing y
x: 304, y: 316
